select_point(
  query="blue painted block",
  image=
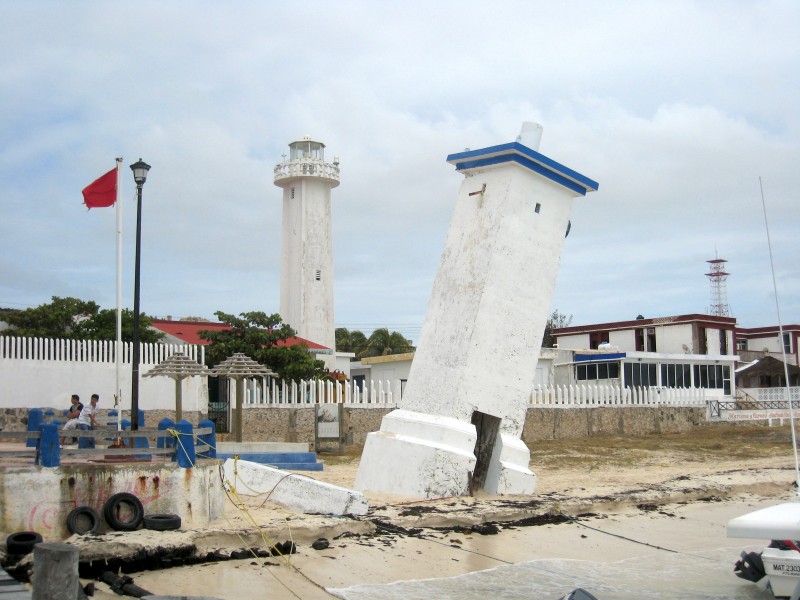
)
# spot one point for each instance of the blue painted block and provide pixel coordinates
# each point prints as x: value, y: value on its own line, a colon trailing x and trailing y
x: 294, y: 461
x: 163, y: 425
x: 296, y: 466
x: 209, y: 439
x: 185, y: 447
x: 35, y: 420
x: 49, y: 450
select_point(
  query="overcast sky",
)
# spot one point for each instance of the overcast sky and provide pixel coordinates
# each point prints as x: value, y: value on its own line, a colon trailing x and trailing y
x: 675, y: 108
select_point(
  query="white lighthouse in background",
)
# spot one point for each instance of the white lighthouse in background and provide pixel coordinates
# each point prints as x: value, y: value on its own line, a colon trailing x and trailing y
x: 307, y: 243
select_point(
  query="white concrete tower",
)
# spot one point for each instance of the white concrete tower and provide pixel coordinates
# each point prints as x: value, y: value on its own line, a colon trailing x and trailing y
x: 307, y: 243
x: 459, y: 426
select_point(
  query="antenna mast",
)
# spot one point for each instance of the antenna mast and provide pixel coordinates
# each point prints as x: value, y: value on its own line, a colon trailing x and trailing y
x: 719, y: 291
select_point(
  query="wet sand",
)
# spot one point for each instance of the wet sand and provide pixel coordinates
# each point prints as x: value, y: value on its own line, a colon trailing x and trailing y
x: 606, y: 514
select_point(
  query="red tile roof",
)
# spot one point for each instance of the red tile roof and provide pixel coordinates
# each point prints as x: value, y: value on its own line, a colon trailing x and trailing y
x: 189, y: 332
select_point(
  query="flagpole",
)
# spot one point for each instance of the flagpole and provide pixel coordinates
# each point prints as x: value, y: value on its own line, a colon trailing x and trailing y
x: 118, y: 349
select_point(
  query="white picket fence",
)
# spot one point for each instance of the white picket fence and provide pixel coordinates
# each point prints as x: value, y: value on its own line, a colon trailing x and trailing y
x: 91, y: 351
x: 42, y: 372
x: 614, y: 395
x: 381, y: 393
x: 270, y: 392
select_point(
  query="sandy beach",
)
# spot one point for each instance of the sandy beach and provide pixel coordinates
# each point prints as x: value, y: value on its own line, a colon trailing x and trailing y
x: 603, y: 500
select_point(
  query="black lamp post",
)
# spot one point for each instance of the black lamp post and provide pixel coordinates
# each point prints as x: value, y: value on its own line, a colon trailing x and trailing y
x: 140, y: 170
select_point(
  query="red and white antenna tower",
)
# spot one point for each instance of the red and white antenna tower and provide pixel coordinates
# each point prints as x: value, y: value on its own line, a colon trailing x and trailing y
x: 719, y: 291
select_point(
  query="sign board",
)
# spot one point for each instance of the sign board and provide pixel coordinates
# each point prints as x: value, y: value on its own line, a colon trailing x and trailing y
x: 328, y: 424
x: 757, y: 415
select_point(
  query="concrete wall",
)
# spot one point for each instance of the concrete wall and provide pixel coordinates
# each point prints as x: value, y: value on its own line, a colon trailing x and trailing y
x: 544, y: 367
x: 670, y: 339
x: 579, y: 341
x: 390, y: 370
x: 624, y: 340
x: 771, y: 342
x: 28, y: 383
x: 712, y: 341
x: 39, y: 499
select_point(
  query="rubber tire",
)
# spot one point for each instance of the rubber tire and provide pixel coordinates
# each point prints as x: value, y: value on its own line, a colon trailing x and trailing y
x: 74, y: 519
x: 110, y: 512
x: 165, y: 522
x: 22, y: 542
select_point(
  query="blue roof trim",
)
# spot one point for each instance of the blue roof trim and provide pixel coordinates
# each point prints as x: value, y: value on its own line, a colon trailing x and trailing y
x: 528, y: 158
x: 599, y: 357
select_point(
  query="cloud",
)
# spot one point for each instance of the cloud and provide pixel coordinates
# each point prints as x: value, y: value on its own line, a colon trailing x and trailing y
x: 676, y: 109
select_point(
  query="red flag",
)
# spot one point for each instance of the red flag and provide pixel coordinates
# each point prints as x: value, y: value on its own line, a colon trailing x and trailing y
x: 102, y: 192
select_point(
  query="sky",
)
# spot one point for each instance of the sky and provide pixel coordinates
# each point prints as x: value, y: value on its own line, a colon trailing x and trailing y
x: 682, y: 111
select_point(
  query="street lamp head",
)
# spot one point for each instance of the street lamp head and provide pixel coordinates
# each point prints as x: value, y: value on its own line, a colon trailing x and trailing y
x: 140, y: 170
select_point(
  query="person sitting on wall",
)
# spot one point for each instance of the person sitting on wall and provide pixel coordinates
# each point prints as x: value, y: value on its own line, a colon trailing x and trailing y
x: 72, y: 415
x: 87, y: 420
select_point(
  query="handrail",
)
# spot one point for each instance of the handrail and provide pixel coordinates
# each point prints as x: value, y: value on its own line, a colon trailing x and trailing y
x: 200, y: 446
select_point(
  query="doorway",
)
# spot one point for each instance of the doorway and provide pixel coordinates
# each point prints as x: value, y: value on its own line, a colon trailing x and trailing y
x: 218, y: 403
x: 487, y: 428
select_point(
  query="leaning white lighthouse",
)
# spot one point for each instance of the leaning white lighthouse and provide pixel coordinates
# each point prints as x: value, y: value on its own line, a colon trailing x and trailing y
x: 306, y: 241
x: 459, y: 425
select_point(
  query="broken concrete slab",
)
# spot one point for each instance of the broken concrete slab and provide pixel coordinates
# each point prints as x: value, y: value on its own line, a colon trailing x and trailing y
x: 295, y: 492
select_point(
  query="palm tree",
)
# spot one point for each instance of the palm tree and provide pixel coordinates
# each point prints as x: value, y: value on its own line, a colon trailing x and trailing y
x: 381, y: 343
x: 350, y: 341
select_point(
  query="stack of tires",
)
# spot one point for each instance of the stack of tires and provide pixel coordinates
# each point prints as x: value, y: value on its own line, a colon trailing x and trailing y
x: 122, y: 512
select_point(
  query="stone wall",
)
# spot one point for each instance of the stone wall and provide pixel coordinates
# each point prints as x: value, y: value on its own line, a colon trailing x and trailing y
x: 560, y: 423
x: 297, y: 424
x: 291, y: 424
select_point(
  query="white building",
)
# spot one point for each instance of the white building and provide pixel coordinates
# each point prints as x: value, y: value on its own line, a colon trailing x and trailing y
x: 685, y: 351
x: 756, y: 342
x: 306, y: 242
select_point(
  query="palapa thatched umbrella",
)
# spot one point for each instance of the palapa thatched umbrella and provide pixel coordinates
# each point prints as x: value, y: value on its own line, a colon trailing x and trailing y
x: 239, y: 367
x: 179, y: 367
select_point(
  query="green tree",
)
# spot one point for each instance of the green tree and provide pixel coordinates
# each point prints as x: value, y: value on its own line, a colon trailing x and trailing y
x: 258, y: 335
x: 350, y: 341
x: 382, y: 342
x: 556, y: 320
x: 75, y: 319
x: 103, y: 326
x: 57, y: 319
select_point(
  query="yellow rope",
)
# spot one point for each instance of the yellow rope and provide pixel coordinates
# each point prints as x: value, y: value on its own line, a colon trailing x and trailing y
x: 229, y: 489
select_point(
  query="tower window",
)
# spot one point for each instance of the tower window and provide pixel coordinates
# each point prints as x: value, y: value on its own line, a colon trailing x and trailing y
x: 318, y: 275
x: 292, y: 193
x: 538, y: 208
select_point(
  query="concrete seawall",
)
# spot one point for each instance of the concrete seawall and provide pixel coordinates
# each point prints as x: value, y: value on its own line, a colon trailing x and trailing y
x: 38, y: 499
